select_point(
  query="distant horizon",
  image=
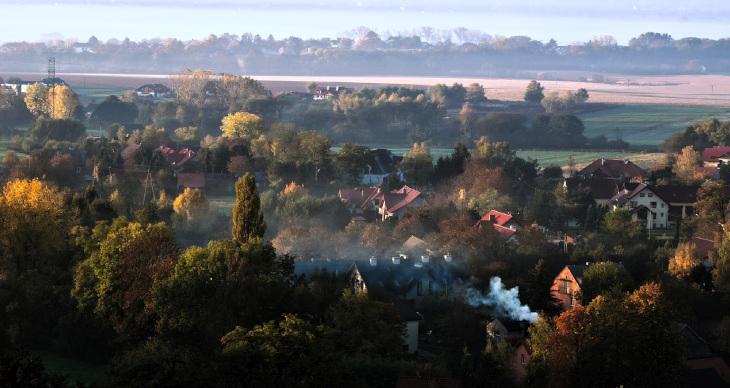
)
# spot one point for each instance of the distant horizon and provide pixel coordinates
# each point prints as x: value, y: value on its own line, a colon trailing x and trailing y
x: 566, y: 21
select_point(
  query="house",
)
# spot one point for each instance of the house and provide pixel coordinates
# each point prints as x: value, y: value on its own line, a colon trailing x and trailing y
x: 394, y: 203
x: 681, y: 200
x: 177, y: 158
x: 404, y: 281
x: 416, y: 247
x: 505, y: 224
x: 644, y: 205
x: 153, y: 91
x: 520, y: 359
x: 17, y: 87
x: 507, y: 329
x: 380, y: 163
x: 329, y: 92
x: 715, y: 156
x: 566, y: 287
x: 613, y: 168
x: 359, y: 199
x: 602, y: 189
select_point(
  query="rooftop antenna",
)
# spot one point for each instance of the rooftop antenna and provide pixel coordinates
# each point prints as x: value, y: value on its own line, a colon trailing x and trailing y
x: 52, y: 80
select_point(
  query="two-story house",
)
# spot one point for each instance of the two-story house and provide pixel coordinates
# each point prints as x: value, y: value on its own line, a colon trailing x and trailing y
x: 644, y: 205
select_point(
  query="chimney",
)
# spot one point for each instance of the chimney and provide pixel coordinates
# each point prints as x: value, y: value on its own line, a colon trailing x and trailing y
x: 588, y: 263
x: 603, y: 161
x: 396, y: 260
x: 448, y: 258
x: 492, y: 218
x: 425, y: 258
x: 373, y: 261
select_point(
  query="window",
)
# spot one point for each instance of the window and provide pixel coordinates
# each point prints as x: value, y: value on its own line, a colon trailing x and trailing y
x: 641, y: 195
x: 650, y: 195
x: 522, y: 358
x: 653, y: 205
x: 661, y: 215
x: 633, y: 204
x: 662, y: 204
x: 653, y: 216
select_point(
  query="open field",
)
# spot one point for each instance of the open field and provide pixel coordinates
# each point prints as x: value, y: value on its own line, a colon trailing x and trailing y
x: 712, y: 90
x: 646, y: 125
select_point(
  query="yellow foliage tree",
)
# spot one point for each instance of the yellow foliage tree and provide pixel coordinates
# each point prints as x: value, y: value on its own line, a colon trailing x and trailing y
x: 685, y: 165
x: 36, y: 99
x: 191, y: 205
x: 25, y: 195
x: 242, y: 125
x: 62, y: 102
x: 293, y: 190
x: 685, y: 260
x: 190, y: 86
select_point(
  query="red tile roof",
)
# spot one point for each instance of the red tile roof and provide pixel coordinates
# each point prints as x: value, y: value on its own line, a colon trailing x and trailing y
x: 496, y: 217
x: 712, y: 154
x: 398, y: 199
x: 505, y: 232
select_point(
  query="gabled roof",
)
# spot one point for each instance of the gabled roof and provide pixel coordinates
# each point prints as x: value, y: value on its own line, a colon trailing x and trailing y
x: 496, y: 217
x: 381, y: 161
x: 414, y: 243
x: 612, y: 168
x: 177, y: 157
x: 358, y: 196
x: 577, y: 271
x: 398, y: 199
x: 625, y: 195
x: 677, y: 193
x: 504, y: 232
x: 713, y: 154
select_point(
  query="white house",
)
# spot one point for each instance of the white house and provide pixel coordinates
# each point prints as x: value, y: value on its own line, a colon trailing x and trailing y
x: 644, y: 205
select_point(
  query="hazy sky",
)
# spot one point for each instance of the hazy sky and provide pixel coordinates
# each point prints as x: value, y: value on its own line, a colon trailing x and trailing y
x: 565, y: 20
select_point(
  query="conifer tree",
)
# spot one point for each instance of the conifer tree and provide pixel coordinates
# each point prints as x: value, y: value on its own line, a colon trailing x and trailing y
x: 248, y: 220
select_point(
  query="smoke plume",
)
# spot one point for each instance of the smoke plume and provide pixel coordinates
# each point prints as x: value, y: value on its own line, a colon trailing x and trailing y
x: 502, y: 301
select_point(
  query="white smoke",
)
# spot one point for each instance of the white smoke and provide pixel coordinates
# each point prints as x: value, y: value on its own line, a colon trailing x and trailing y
x: 504, y: 302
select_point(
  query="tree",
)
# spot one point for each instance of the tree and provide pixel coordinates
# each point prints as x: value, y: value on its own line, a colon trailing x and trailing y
x: 351, y: 162
x: 114, y: 110
x: 417, y: 164
x: 248, y: 220
x: 712, y: 198
x: 116, y: 282
x: 684, y: 261
x: 685, y: 165
x: 191, y: 205
x: 721, y: 264
x: 36, y: 99
x: 62, y: 102
x: 239, y: 165
x: 291, y: 352
x: 475, y: 94
x: 581, y: 96
x: 242, y: 125
x: 600, y: 278
x: 190, y: 86
x: 534, y: 92
x: 381, y: 337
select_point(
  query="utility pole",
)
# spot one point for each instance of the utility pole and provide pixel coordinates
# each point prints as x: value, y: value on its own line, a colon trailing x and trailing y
x: 52, y: 80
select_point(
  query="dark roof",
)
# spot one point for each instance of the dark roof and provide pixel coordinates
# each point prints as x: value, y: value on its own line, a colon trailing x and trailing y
x: 360, y: 197
x: 599, y: 187
x: 696, y: 346
x: 154, y: 88
x: 310, y: 267
x: 513, y: 326
x: 177, y: 157
x: 381, y: 161
x: 577, y: 270
x: 613, y: 168
x: 676, y: 193
x: 398, y: 199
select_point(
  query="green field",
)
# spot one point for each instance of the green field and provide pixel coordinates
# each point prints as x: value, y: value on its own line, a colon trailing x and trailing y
x: 646, y: 125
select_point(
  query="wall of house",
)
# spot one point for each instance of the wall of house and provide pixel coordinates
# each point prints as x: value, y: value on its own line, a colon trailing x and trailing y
x: 411, y: 337
x: 566, y: 297
x: 653, y: 202
x: 520, y: 361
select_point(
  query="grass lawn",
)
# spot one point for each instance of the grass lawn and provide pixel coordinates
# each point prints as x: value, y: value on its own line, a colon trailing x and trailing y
x: 74, y: 370
x: 646, y: 125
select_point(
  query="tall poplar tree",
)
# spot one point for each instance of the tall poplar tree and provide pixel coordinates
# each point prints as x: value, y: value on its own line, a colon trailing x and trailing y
x: 248, y: 220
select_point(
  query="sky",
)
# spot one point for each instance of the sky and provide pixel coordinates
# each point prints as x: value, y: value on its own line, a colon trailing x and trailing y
x: 567, y: 21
